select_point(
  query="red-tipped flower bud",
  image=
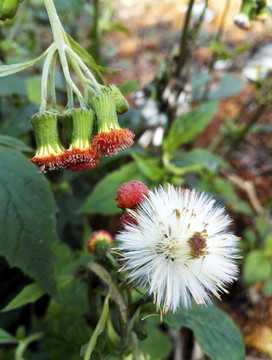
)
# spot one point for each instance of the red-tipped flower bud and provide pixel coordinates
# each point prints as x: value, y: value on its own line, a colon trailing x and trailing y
x: 99, y: 242
x: 131, y: 194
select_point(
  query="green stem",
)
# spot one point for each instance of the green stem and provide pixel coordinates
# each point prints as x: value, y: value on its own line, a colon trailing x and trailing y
x: 95, y: 31
x: 198, y: 24
x: 134, y: 345
x: 24, y: 344
x: 60, y: 42
x: 183, y: 40
x: 70, y: 98
x: 45, y: 72
x: 52, y: 81
x: 241, y: 135
x: 98, y: 329
x: 84, y: 68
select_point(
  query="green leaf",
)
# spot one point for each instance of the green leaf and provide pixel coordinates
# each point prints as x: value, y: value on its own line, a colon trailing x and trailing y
x: 149, y: 167
x: 157, y: 344
x: 230, y: 197
x: 201, y: 157
x: 14, y: 68
x: 267, y: 287
x: 185, y: 127
x: 33, y: 87
x: 118, y: 27
x: 88, y: 59
x: 100, y: 200
x: 27, y: 218
x: 29, y: 294
x: 256, y: 267
x: 14, y: 143
x: 15, y: 84
x: 228, y: 86
x: 216, y: 333
x: 6, y: 338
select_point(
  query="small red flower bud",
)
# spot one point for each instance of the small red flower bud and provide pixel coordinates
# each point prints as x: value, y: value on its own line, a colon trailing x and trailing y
x: 131, y: 194
x: 99, y: 240
x: 127, y: 219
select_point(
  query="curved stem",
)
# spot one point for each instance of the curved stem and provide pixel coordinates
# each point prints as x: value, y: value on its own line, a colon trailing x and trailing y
x: 52, y: 81
x: 60, y: 43
x: 84, y: 68
x: 98, y: 329
x: 45, y: 73
x: 80, y: 75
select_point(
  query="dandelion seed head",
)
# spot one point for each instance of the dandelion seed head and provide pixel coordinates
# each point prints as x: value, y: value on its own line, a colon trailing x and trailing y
x: 179, y: 247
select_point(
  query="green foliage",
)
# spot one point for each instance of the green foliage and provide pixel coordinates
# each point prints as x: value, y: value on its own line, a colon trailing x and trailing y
x: 257, y: 267
x: 187, y: 126
x: 27, y: 216
x: 215, y: 332
x: 157, y: 344
x: 29, y: 294
x: 100, y: 200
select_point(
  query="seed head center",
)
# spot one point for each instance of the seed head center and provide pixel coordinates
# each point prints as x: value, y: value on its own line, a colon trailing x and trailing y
x: 197, y: 244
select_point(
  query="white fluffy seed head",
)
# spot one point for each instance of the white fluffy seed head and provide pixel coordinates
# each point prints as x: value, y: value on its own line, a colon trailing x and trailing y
x: 180, y: 248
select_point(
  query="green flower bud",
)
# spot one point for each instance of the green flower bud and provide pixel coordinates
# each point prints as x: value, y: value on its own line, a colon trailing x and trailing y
x: 8, y: 8
x: 50, y: 152
x: 66, y: 121
x: 80, y: 155
x: 111, y: 138
x: 120, y: 101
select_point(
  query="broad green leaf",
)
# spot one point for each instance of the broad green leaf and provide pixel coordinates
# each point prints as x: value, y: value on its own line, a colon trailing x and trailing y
x: 100, y: 200
x: 185, y: 127
x: 149, y: 167
x: 256, y: 267
x: 6, y: 338
x: 14, y: 68
x: 27, y: 218
x: 228, y: 86
x: 199, y: 156
x: 14, y: 143
x: 15, y: 84
x: 267, y: 287
x: 214, y: 330
x: 16, y: 118
x: 157, y: 344
x: 29, y: 294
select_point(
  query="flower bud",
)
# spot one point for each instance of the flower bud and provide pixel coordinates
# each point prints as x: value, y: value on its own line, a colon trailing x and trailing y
x: 8, y: 8
x: 111, y: 138
x: 80, y: 155
x: 249, y: 10
x: 99, y: 242
x: 131, y: 194
x: 50, y: 152
x: 66, y: 121
x: 120, y: 101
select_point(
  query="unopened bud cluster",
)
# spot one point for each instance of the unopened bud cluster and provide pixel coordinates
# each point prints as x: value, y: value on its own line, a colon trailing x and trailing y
x: 84, y: 146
